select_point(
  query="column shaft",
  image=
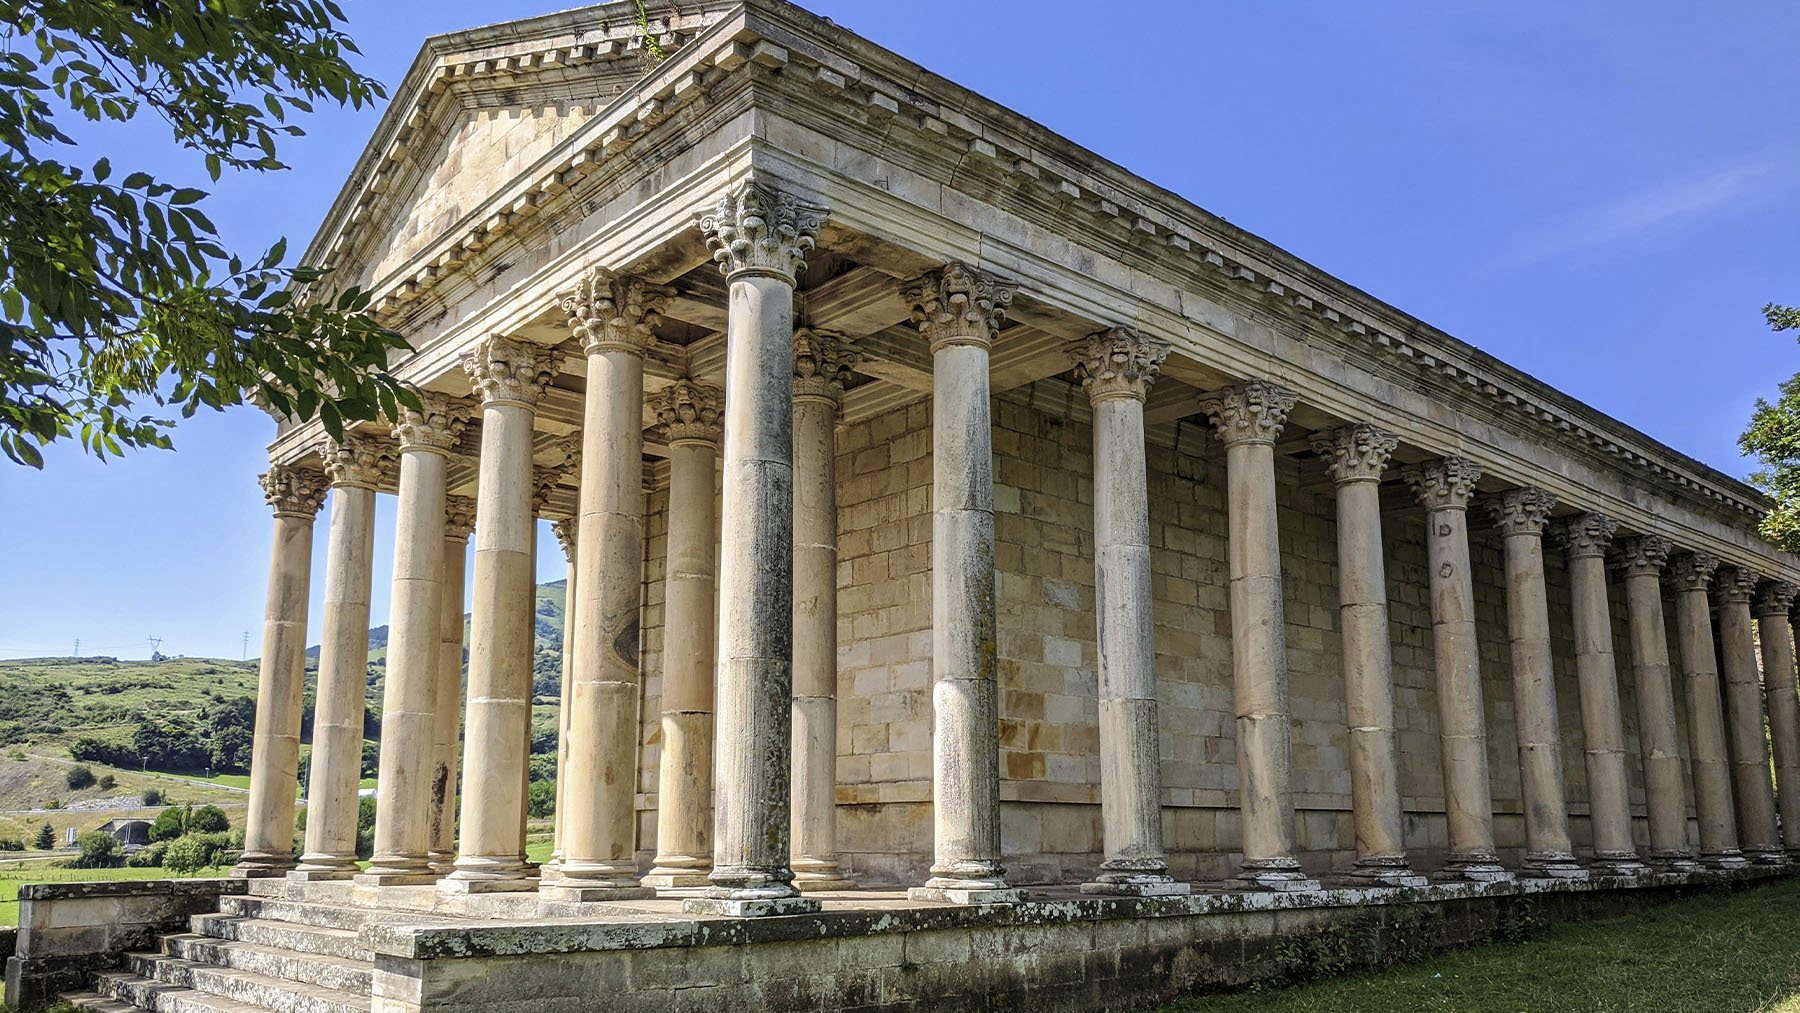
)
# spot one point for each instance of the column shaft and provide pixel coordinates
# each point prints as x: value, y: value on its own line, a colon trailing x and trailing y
x: 1713, y: 805
x: 510, y: 376
x: 1745, y: 727
x: 820, y: 362
x: 1609, y: 800
x: 1356, y: 455
x: 1444, y: 488
x: 565, y: 534
x: 281, y: 678
x: 1658, y: 737
x: 1777, y: 638
x: 684, y: 784
x: 332, y: 796
x: 447, y: 693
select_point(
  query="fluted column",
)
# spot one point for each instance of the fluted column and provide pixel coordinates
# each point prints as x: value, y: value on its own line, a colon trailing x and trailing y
x: 447, y: 692
x: 296, y: 495
x: 958, y: 311
x: 1521, y: 515
x: 566, y: 536
x: 1356, y: 456
x: 614, y: 318
x: 354, y: 468
x: 1745, y: 727
x: 1691, y: 573
x: 1773, y: 600
x: 1641, y: 560
x: 1116, y: 368
x: 689, y: 413
x: 1444, y: 488
x: 510, y: 376
x: 822, y: 362
x: 403, y: 797
x: 759, y: 235
x: 1248, y: 418
x: 1585, y: 538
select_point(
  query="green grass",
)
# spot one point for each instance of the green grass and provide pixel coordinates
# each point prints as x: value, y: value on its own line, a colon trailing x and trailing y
x: 10, y: 881
x: 1722, y: 953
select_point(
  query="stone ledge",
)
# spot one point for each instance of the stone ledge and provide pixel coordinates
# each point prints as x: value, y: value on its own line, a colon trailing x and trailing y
x: 230, y: 885
x: 653, y: 930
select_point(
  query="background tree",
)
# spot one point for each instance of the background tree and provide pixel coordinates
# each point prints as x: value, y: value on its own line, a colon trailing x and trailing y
x: 116, y: 291
x: 1774, y: 438
x: 45, y: 839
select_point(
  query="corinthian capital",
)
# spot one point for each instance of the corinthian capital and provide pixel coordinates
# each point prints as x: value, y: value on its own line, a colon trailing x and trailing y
x: 1251, y: 412
x: 293, y: 491
x: 434, y: 426
x: 1444, y: 484
x: 689, y: 411
x: 356, y: 461
x: 614, y: 313
x: 1774, y: 598
x: 509, y: 371
x: 1356, y: 453
x: 1586, y: 534
x: 1692, y: 571
x: 459, y: 517
x: 1118, y: 362
x: 1521, y: 511
x: 1734, y: 585
x: 1644, y: 554
x: 758, y: 229
x: 822, y: 361
x: 956, y: 305
x: 564, y: 530
x: 565, y: 460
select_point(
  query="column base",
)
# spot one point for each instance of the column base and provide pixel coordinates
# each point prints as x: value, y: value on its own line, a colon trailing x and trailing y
x: 305, y: 875
x: 420, y: 877
x: 677, y: 879
x: 1475, y: 869
x: 1553, y: 866
x: 974, y: 896
x: 1627, y: 866
x: 1675, y: 863
x: 1766, y: 856
x: 1390, y: 876
x: 471, y: 887
x: 567, y: 891
x: 750, y: 907
x: 1278, y: 881
x: 1725, y: 860
x: 1136, y: 886
x: 262, y: 866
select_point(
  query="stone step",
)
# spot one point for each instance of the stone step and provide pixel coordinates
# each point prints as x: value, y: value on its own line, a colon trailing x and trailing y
x: 96, y: 1002
x: 136, y: 992
x: 311, y: 939
x: 324, y: 916
x: 258, y: 991
x: 352, y: 976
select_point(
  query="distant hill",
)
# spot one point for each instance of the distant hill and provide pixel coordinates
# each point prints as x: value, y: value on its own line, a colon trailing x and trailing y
x: 551, y: 606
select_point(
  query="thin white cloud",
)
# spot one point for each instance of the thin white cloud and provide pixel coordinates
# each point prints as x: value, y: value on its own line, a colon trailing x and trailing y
x: 1646, y: 212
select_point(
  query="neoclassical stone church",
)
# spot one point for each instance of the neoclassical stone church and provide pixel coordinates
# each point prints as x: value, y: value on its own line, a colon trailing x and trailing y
x: 995, y: 581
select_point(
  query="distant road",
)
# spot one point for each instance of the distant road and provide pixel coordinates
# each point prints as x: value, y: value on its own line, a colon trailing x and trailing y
x: 144, y: 773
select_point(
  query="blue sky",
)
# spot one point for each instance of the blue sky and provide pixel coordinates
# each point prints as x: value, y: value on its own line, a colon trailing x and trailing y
x: 1602, y: 194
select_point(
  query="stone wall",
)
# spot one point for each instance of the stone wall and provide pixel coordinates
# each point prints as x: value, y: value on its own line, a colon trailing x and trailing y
x: 1048, y: 731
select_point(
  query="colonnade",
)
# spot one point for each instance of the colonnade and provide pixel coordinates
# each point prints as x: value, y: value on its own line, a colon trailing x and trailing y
x: 747, y: 805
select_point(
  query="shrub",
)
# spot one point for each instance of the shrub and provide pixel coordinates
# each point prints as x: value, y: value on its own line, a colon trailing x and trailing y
x: 46, y: 838
x: 79, y: 777
x: 12, y: 844
x: 152, y: 797
x: 108, y: 782
x: 190, y: 853
x: 170, y: 823
x: 540, y: 801
x: 208, y: 819
x: 148, y: 858
x: 98, y: 851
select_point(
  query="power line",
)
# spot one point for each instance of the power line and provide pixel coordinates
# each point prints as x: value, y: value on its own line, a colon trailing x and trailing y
x: 78, y: 647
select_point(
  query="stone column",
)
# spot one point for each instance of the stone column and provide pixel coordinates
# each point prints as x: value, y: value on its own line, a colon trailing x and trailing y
x: 510, y: 376
x: 1248, y: 418
x: 1773, y: 600
x: 1444, y: 487
x: 1521, y: 515
x: 415, y: 646
x: 958, y: 311
x: 1745, y: 726
x: 1642, y: 559
x: 759, y: 235
x: 1585, y: 538
x: 615, y: 319
x: 1356, y: 455
x: 296, y: 495
x: 1116, y: 368
x: 354, y: 468
x: 689, y: 413
x: 447, y: 694
x: 1691, y: 573
x: 545, y: 480
x: 822, y: 362
x: 566, y: 535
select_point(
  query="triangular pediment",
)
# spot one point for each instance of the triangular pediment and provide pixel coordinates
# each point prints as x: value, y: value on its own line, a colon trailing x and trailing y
x: 477, y: 109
